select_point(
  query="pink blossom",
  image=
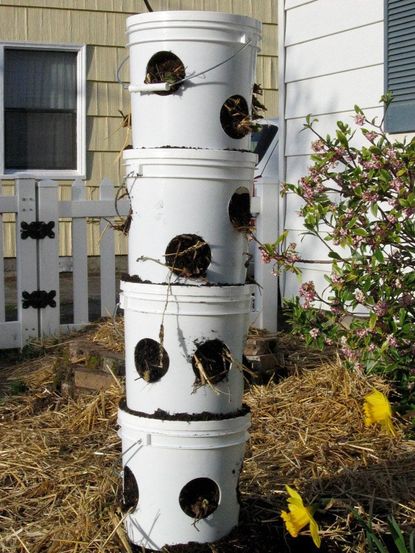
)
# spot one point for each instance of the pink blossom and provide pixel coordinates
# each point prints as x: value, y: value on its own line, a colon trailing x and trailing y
x: 336, y: 279
x: 314, y: 332
x: 373, y: 163
x: 362, y: 332
x: 265, y: 257
x: 308, y: 292
x: 390, y: 153
x: 381, y: 308
x: 336, y: 310
x: 397, y: 184
x: 359, y: 119
x: 317, y: 145
x: 391, y: 341
x: 371, y: 135
x: 370, y: 196
x: 340, y: 151
x: 391, y: 218
x: 359, y: 296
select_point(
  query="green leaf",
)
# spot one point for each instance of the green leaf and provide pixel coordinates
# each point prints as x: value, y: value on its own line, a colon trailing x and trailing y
x: 374, y: 208
x: 397, y: 535
x: 334, y: 255
x: 379, y: 255
x: 373, y: 319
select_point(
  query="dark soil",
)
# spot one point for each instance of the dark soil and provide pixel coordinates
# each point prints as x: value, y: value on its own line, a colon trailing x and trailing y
x: 188, y: 255
x: 257, y: 533
x: 151, y: 360
x: 234, y: 117
x: 240, y: 211
x: 199, y: 498
x: 214, y: 358
x: 130, y: 490
x: 204, y: 416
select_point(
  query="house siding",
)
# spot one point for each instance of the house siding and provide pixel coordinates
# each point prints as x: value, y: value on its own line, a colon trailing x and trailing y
x: 100, y: 24
x: 333, y: 59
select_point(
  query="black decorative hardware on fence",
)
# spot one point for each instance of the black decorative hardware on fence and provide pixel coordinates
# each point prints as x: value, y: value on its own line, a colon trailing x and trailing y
x: 37, y: 230
x: 39, y: 299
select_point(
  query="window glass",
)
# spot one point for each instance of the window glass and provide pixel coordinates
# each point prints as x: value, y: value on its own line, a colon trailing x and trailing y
x: 261, y: 140
x: 40, y: 109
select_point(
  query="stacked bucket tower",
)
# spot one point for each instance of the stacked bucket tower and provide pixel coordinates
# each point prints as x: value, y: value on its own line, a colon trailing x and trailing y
x: 186, y: 304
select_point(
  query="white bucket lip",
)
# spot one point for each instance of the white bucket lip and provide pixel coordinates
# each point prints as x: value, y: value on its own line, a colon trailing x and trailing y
x: 194, y: 16
x: 227, y: 424
x: 199, y: 291
x: 189, y: 155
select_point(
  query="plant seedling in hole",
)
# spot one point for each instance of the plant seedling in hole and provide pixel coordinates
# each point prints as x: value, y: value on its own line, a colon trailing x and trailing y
x: 165, y: 67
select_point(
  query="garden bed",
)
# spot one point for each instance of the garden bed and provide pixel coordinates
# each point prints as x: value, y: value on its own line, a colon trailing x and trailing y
x: 60, y: 460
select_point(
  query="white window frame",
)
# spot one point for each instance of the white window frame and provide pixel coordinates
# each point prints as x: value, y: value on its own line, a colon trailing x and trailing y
x: 80, y: 171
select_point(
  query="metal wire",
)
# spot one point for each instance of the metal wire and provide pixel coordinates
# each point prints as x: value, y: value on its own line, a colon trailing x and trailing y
x: 190, y: 77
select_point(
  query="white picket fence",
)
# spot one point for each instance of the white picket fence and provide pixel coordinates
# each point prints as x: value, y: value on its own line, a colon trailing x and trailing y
x: 37, y: 261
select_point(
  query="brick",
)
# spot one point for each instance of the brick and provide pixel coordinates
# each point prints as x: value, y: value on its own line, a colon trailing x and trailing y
x: 88, y: 379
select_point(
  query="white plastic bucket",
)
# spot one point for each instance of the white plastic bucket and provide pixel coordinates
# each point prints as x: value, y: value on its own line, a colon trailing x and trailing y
x: 180, y: 191
x: 191, y: 316
x: 164, y: 456
x: 202, y: 40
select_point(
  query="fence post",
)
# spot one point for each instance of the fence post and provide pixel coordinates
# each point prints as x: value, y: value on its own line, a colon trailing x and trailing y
x: 107, y: 255
x: 26, y: 259
x: 80, y: 258
x: 48, y: 255
x: 266, y: 297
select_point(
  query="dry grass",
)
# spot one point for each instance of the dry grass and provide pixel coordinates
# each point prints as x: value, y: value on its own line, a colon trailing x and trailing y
x: 308, y: 432
x: 60, y: 458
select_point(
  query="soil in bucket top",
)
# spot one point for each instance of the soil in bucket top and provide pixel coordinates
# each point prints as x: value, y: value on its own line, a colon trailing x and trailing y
x: 199, y: 498
x: 188, y: 255
x: 165, y: 67
x: 239, y: 210
x: 151, y: 360
x: 211, y: 362
x: 162, y: 415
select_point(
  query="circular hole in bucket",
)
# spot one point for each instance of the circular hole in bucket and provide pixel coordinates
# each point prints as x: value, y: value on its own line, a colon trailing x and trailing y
x: 130, y: 494
x: 239, y: 209
x: 234, y: 117
x: 199, y: 498
x: 165, y: 67
x: 188, y: 255
x: 151, y: 360
x: 211, y: 362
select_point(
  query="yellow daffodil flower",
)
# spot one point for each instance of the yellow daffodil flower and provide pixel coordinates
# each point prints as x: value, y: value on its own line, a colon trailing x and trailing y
x: 378, y: 409
x: 299, y: 516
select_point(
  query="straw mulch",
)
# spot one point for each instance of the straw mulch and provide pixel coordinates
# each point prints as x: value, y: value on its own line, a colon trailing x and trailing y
x: 60, y: 461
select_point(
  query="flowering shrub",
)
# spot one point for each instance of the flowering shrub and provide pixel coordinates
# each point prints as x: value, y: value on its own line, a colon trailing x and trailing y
x: 365, y: 198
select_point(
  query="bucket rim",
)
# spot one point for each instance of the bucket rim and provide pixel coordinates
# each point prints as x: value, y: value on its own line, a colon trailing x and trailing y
x: 188, y: 155
x: 193, y: 16
x: 227, y: 425
x: 195, y: 290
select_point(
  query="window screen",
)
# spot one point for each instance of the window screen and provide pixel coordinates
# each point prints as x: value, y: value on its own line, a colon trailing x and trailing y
x: 40, y: 109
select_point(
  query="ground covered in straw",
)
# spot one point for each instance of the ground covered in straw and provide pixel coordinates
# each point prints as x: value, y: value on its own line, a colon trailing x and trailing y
x: 60, y: 460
